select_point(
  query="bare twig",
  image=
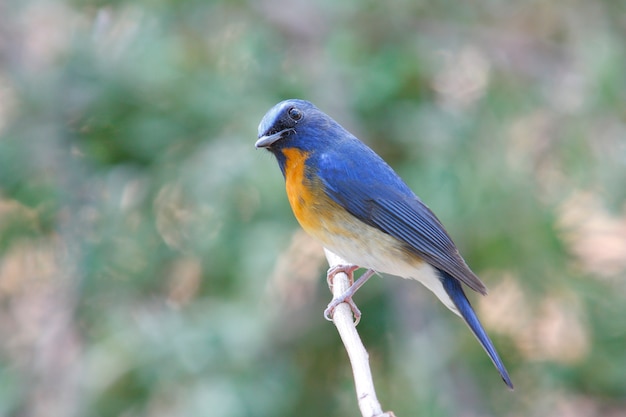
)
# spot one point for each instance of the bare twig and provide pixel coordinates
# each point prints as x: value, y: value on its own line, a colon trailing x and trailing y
x: 359, y: 359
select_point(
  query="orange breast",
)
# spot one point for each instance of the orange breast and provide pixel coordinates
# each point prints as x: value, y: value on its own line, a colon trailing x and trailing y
x: 316, y: 212
x: 337, y: 229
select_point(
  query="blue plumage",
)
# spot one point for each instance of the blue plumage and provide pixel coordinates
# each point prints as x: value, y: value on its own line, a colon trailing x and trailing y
x: 347, y: 197
x: 455, y: 291
x: 371, y: 191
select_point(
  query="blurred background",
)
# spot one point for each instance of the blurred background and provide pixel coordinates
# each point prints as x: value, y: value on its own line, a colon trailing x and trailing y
x: 150, y: 264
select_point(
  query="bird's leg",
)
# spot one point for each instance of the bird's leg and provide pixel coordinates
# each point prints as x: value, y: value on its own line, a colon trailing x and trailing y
x: 346, y: 297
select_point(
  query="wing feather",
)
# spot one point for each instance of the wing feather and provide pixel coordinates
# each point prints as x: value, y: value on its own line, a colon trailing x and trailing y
x: 382, y: 200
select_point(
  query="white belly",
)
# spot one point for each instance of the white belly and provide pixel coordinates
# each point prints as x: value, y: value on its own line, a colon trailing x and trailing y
x: 370, y: 248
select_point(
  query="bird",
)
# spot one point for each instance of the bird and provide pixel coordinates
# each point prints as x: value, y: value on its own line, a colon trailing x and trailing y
x: 349, y: 199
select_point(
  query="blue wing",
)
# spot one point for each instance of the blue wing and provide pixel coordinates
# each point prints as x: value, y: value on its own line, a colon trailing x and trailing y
x: 360, y: 181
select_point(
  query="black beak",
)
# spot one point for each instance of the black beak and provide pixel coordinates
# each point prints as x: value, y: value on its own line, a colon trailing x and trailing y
x: 268, y: 140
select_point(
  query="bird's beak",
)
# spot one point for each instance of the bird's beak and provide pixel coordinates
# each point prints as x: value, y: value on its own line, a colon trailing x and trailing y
x: 268, y: 140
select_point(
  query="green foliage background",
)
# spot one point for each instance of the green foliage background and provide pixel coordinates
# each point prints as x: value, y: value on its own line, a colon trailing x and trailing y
x: 150, y: 264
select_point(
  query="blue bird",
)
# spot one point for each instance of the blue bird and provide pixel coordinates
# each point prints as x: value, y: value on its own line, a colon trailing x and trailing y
x: 349, y: 199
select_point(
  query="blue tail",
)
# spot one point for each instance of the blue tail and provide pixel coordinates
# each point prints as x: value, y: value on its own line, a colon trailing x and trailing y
x: 455, y: 291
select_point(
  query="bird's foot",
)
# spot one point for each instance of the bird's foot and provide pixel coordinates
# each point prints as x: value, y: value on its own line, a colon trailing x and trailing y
x: 346, y: 297
x: 346, y: 269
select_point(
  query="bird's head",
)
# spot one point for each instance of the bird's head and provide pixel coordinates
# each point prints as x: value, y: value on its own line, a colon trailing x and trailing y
x: 296, y: 124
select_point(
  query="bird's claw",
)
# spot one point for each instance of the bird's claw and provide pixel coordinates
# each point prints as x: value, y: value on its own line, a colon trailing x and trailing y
x: 344, y: 298
x: 346, y: 269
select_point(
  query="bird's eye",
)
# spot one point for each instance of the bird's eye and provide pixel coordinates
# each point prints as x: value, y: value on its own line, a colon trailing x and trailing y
x: 295, y: 114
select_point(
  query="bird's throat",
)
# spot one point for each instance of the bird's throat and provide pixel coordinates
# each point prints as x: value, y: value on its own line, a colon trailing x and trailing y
x: 302, y: 194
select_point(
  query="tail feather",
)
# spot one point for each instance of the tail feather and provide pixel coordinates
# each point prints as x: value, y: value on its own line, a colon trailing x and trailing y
x: 455, y: 291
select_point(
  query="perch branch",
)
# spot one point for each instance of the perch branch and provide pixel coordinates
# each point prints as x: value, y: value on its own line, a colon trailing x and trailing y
x: 359, y: 359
